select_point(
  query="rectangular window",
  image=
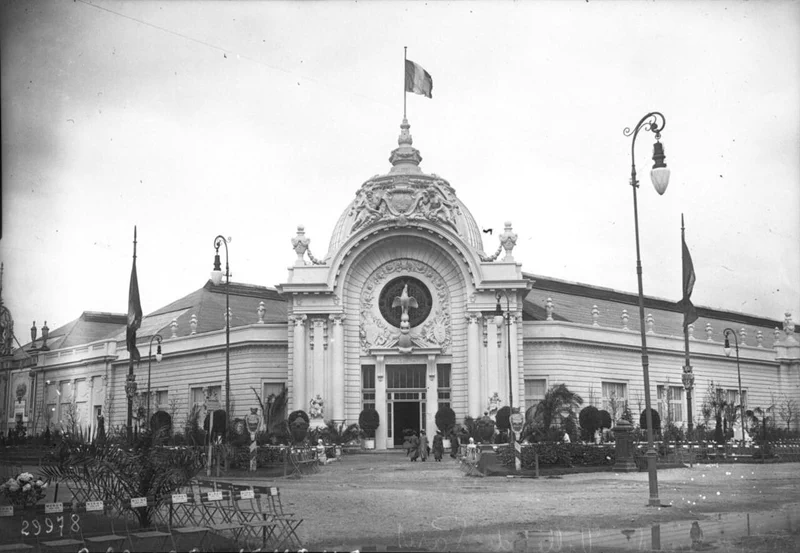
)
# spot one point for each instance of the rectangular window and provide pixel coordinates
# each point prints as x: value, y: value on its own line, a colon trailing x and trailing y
x: 405, y: 376
x: 162, y: 400
x: 368, y: 386
x: 670, y: 403
x: 443, y: 384
x: 534, y: 392
x: 615, y: 394
x: 199, y: 395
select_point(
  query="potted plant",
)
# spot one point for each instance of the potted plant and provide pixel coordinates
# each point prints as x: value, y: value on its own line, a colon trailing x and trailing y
x: 298, y: 426
x: 368, y: 421
x: 445, y: 422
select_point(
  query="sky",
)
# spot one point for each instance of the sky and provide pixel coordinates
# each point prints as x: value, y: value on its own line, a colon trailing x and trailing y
x: 193, y: 119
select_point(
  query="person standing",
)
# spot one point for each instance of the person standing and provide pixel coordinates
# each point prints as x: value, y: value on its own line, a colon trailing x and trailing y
x: 423, y: 446
x: 438, y: 446
x: 454, y: 445
x: 414, y: 447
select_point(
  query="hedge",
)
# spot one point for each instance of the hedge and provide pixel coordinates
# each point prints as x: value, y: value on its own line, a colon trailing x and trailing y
x: 560, y: 454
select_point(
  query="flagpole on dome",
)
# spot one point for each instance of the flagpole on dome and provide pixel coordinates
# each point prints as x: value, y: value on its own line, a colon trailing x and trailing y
x: 405, y: 87
x: 687, y: 283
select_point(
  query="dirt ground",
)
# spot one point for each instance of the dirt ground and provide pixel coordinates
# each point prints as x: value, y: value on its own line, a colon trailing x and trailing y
x: 381, y: 501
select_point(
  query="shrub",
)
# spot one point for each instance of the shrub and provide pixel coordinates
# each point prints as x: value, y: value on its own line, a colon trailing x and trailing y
x: 368, y: 421
x: 485, y: 430
x: 656, y: 421
x: 503, y: 418
x: 590, y: 421
x: 445, y: 420
x: 298, y: 429
x: 605, y: 419
x: 299, y: 413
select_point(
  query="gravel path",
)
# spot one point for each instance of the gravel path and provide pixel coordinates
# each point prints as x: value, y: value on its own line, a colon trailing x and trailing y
x: 384, y: 500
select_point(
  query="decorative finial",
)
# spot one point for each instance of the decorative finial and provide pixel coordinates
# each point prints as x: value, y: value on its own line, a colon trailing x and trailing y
x: 709, y: 332
x: 625, y: 318
x: 650, y: 323
x: 759, y: 339
x: 691, y: 331
x: 508, y: 240
x: 548, y: 305
x: 743, y: 336
x: 174, y: 327
x: 300, y: 245
x: 193, y: 323
x: 261, y: 310
x: 595, y: 315
x: 405, y: 158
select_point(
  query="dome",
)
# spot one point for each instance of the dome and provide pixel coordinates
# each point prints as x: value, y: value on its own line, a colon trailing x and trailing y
x: 405, y: 195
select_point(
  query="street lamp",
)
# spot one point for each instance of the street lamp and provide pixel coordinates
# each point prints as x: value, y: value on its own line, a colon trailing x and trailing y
x: 498, y: 315
x: 727, y: 349
x: 216, y: 278
x: 159, y: 356
x: 660, y: 177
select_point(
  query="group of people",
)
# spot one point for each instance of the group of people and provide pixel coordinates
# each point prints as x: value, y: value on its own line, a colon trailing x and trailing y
x: 417, y: 447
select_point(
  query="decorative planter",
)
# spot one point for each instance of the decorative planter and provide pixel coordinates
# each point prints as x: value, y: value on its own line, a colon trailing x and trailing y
x: 369, y: 443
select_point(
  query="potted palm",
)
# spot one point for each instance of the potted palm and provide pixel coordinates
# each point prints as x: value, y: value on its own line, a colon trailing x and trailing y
x: 368, y: 421
x: 445, y: 422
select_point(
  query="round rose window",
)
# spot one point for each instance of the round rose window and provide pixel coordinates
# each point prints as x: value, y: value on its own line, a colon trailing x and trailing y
x: 416, y: 290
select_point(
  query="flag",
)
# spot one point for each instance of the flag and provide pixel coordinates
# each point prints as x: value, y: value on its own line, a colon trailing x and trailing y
x: 418, y: 80
x: 134, y: 314
x: 689, y: 311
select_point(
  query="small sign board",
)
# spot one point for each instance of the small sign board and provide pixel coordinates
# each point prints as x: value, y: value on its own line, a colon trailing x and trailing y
x: 517, y: 422
x: 212, y: 404
x: 180, y: 498
x: 215, y: 496
x: 6, y: 510
x: 94, y: 506
x: 138, y: 502
x: 248, y: 494
x: 54, y: 507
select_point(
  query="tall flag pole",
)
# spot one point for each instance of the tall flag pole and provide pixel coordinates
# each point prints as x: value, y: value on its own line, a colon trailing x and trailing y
x: 689, y: 316
x: 416, y: 80
x: 134, y: 322
x: 405, y: 79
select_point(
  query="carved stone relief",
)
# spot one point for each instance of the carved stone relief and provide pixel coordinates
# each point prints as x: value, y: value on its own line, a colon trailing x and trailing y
x: 374, y: 331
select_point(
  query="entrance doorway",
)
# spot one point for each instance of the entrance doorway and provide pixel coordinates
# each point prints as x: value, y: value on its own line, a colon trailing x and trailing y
x: 406, y: 415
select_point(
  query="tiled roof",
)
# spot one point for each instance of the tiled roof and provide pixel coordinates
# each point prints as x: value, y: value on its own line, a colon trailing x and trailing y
x: 574, y: 301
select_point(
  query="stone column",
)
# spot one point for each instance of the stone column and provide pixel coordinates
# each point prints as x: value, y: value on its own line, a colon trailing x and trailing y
x: 381, y: 434
x: 431, y: 398
x: 474, y: 365
x: 91, y: 407
x: 336, y: 403
x: 494, y: 358
x: 516, y: 369
x: 299, y: 362
x: 315, y: 380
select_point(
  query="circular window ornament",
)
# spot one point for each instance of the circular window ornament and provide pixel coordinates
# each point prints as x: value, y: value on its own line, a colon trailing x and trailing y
x: 392, y: 310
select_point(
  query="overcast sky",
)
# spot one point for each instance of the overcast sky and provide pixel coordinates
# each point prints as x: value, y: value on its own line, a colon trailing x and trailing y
x: 193, y: 119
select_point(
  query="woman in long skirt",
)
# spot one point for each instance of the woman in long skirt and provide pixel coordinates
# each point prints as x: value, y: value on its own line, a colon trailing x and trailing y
x: 423, y: 446
x: 438, y: 446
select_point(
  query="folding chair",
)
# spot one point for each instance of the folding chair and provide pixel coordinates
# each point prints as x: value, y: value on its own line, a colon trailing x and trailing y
x: 270, y: 503
x: 186, y: 533
x: 94, y: 538
x: 73, y: 542
x: 144, y: 539
x: 218, y: 514
x: 259, y: 526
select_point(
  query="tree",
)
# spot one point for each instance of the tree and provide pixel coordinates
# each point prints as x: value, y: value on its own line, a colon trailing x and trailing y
x: 558, y: 402
x: 368, y: 421
x: 788, y: 410
x: 714, y: 404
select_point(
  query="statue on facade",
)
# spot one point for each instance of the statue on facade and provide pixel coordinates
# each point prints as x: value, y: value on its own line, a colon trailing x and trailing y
x: 316, y: 407
x: 494, y: 405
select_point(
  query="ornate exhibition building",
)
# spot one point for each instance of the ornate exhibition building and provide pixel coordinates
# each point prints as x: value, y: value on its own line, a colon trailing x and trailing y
x: 405, y: 312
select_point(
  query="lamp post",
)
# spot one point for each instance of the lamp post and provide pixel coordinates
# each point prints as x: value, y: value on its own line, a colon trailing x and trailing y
x: 727, y: 349
x: 655, y: 122
x: 159, y: 356
x: 216, y: 278
x: 498, y: 317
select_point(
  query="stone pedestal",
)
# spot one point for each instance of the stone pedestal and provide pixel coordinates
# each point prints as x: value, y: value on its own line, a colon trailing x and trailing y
x: 624, y: 447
